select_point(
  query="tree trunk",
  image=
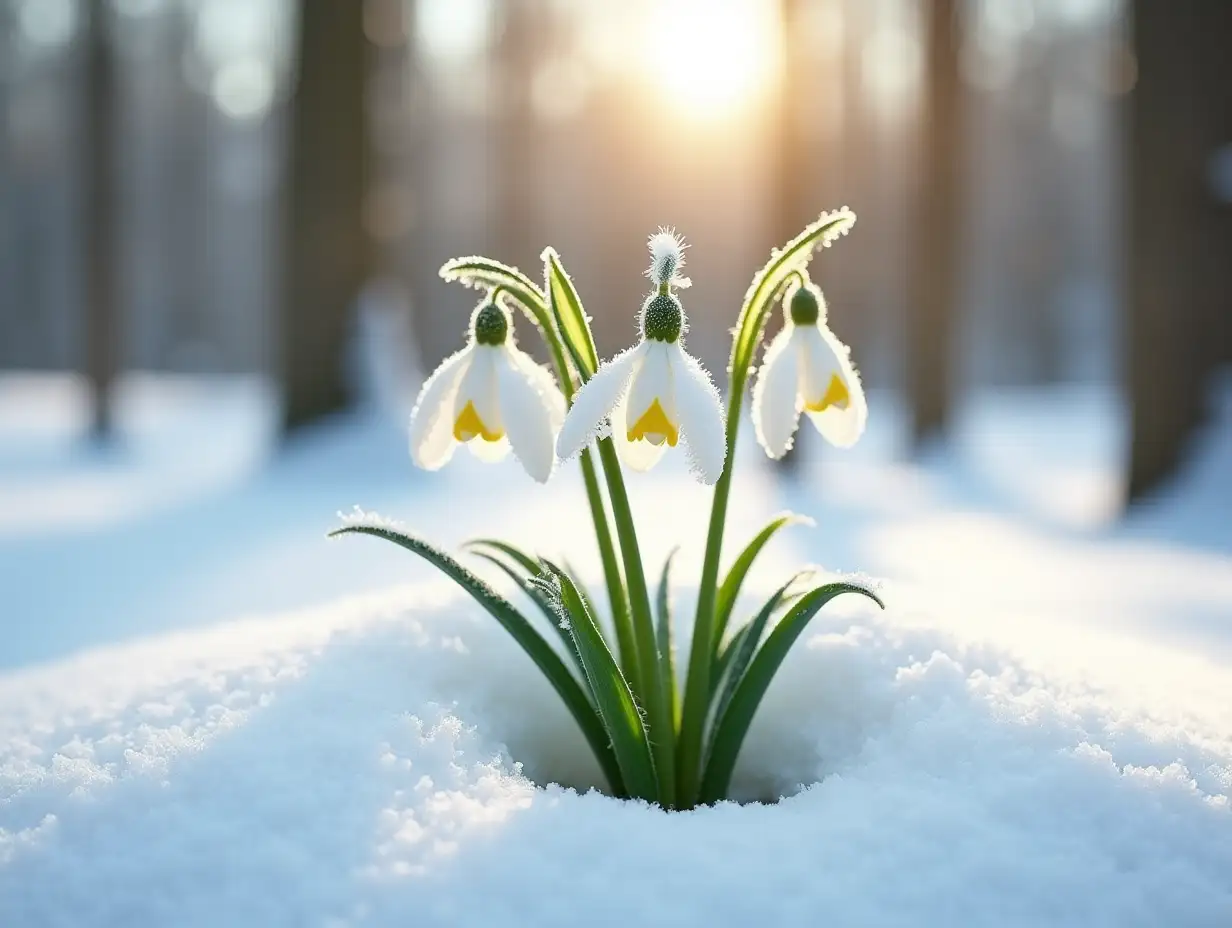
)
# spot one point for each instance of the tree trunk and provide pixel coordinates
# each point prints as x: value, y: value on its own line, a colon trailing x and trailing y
x: 327, y: 252
x: 1178, y: 278
x: 936, y: 268
x: 8, y: 203
x: 99, y: 225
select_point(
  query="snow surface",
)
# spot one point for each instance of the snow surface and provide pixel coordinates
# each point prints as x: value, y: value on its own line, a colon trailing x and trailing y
x: 209, y: 716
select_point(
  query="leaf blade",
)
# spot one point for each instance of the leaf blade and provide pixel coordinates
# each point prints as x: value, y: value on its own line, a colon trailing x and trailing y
x: 734, y: 725
x: 529, y: 564
x: 664, y: 639
x: 536, y: 596
x: 733, y: 661
x: 739, y: 570
x: 480, y: 273
x: 566, y: 308
x: 520, y: 629
x: 613, y: 698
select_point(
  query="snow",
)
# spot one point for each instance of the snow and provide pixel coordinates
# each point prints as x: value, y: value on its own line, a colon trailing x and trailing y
x: 211, y: 716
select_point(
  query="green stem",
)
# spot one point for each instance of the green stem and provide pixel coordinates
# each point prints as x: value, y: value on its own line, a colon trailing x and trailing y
x: 697, y: 688
x: 598, y: 513
x: 629, y: 662
x: 704, y: 649
x: 658, y: 708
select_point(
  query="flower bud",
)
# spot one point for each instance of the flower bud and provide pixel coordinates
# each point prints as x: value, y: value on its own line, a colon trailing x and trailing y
x: 806, y: 306
x: 662, y: 317
x: 490, y: 323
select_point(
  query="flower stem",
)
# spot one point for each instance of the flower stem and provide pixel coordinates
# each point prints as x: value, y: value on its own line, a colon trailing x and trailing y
x: 704, y: 648
x: 701, y: 654
x: 617, y: 599
x: 611, y: 573
x: 660, y: 729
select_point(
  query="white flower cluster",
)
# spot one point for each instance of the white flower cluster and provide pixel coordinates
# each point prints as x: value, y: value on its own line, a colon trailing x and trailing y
x: 494, y: 398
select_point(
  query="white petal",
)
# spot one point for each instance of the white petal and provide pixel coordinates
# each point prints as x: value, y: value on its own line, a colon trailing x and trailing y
x: 701, y: 416
x: 594, y: 402
x: 636, y: 455
x: 816, y: 363
x: 431, y: 430
x: 490, y: 452
x: 652, y: 380
x: 544, y: 382
x: 527, y: 419
x: 827, y: 356
x: 479, y: 386
x: 776, y: 399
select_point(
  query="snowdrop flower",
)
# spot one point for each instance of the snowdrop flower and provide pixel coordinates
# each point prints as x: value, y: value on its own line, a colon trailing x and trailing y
x: 491, y: 397
x: 807, y: 368
x: 654, y: 393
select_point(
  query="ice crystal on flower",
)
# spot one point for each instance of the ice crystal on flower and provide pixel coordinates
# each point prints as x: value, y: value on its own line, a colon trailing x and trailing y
x: 667, y: 258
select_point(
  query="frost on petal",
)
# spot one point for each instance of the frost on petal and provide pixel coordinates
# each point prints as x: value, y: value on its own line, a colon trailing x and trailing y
x: 635, y: 455
x: 700, y: 412
x: 840, y: 423
x: 527, y: 419
x: 594, y: 402
x: 776, y: 400
x: 431, y: 429
x: 544, y: 382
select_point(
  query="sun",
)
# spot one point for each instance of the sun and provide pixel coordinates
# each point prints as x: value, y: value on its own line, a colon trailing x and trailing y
x: 711, y: 57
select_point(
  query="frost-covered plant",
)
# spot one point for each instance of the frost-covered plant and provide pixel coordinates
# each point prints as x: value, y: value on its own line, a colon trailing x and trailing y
x: 623, y: 688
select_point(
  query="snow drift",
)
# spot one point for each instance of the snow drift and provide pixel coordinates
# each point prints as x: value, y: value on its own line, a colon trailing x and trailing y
x: 374, y: 762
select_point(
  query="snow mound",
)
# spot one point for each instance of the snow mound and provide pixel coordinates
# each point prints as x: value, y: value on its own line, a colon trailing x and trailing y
x: 374, y: 762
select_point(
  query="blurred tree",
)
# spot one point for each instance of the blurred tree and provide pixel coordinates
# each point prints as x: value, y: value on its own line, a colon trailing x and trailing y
x: 7, y: 204
x: 327, y: 249
x: 433, y: 341
x: 100, y: 227
x: 930, y: 323
x: 1179, y: 235
x: 185, y: 198
x: 517, y: 54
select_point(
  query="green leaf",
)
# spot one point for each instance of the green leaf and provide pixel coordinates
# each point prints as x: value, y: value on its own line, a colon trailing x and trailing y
x: 571, y: 319
x: 664, y: 639
x: 529, y: 564
x: 613, y: 698
x: 533, y: 568
x: 516, y: 624
x: 526, y: 584
x: 734, y: 659
x: 587, y: 599
x: 732, y: 727
x: 482, y: 273
x: 768, y: 282
x: 739, y: 570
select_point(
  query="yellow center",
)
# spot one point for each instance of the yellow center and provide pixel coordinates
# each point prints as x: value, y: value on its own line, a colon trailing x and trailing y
x: 836, y: 395
x: 469, y: 425
x: 654, y: 427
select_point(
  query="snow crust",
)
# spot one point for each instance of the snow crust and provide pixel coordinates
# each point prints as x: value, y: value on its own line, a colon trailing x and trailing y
x: 373, y: 762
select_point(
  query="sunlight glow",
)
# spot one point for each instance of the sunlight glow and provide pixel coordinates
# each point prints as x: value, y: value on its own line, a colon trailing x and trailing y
x: 711, y: 56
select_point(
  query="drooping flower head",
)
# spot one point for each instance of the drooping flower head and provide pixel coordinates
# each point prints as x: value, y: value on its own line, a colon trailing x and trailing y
x: 490, y: 396
x: 807, y: 369
x: 654, y: 393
